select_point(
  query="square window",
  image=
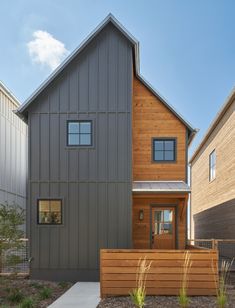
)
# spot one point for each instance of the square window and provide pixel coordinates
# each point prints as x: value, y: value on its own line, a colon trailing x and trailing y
x: 164, y: 149
x: 79, y: 133
x: 49, y: 212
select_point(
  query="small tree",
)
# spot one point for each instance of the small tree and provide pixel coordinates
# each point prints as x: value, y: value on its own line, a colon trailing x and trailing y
x: 12, y: 218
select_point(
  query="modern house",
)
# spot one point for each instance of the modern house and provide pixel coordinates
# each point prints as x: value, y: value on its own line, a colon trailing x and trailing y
x: 213, y: 178
x: 107, y: 160
x: 13, y: 151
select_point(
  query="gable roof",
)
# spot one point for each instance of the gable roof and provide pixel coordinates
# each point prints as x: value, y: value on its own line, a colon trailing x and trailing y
x: 135, y: 43
x: 9, y: 94
x: 228, y: 102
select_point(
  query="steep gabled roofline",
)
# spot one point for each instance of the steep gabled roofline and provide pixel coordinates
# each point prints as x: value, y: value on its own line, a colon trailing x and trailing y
x: 110, y: 18
x: 8, y: 93
x: 228, y: 102
x: 169, y: 106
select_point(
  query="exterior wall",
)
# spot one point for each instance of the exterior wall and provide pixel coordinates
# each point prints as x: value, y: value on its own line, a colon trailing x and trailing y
x: 13, y: 152
x: 207, y: 195
x: 141, y: 233
x: 94, y: 183
x: 152, y: 119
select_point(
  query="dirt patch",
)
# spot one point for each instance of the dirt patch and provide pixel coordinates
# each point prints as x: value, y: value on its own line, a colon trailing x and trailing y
x: 169, y: 301
x: 16, y: 292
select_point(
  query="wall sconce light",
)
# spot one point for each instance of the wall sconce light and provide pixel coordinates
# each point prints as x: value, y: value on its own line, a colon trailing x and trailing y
x: 141, y: 214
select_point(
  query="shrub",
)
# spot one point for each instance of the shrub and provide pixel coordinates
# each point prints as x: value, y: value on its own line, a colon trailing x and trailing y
x: 36, y: 285
x: 63, y: 284
x: 15, y: 296
x: 28, y: 302
x: 139, y: 293
x: 221, y: 287
x: 183, y: 298
x: 45, y: 293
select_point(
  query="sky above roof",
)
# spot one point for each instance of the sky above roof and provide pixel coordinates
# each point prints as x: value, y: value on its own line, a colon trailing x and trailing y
x: 187, y: 48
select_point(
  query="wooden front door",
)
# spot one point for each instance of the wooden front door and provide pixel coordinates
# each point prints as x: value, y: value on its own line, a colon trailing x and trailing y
x: 163, y: 227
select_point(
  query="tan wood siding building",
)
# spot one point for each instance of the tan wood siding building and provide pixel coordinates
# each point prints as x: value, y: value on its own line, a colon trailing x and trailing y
x: 213, y: 200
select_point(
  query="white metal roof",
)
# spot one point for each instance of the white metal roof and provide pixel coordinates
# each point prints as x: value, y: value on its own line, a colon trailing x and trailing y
x: 160, y: 186
x: 8, y: 93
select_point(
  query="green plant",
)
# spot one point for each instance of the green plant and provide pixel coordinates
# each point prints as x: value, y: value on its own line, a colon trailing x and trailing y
x: 183, y: 298
x: 15, y: 296
x: 139, y: 293
x: 28, y: 302
x: 36, y: 285
x: 63, y: 284
x: 11, y: 219
x: 221, y: 285
x: 45, y: 293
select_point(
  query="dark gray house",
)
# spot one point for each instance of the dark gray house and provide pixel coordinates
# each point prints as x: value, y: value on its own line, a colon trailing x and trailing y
x: 81, y: 158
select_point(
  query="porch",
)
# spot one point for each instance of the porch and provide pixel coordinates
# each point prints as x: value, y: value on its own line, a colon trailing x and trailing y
x: 159, y: 215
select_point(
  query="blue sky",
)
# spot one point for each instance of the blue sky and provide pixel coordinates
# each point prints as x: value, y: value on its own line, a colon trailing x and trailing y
x: 187, y: 48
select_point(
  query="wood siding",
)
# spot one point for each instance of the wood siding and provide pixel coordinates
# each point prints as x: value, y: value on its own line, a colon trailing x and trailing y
x: 141, y: 233
x: 152, y: 119
x: 118, y: 272
x: 206, y: 194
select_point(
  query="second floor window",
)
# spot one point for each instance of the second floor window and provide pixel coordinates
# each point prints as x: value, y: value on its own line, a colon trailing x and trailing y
x: 164, y: 149
x: 212, y: 165
x: 79, y: 133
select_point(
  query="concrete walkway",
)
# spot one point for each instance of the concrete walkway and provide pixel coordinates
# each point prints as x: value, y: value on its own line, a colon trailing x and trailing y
x: 80, y: 295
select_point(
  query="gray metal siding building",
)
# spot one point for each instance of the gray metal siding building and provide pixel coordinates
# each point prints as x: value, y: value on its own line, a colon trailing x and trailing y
x: 13, y: 151
x: 94, y: 183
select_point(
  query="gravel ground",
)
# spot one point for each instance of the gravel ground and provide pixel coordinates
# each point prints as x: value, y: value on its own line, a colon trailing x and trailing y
x: 169, y: 301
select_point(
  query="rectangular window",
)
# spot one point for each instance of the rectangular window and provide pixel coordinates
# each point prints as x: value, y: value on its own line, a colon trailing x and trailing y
x: 79, y: 133
x: 212, y: 165
x: 49, y: 212
x: 164, y: 150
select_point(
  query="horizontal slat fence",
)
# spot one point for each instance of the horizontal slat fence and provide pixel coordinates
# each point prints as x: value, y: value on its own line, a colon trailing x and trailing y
x: 118, y: 271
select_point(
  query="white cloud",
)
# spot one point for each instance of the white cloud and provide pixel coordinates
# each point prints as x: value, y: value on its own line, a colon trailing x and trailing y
x: 46, y: 50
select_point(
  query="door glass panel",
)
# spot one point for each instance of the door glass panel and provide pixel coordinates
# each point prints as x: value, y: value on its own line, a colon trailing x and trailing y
x: 163, y: 220
x: 168, y: 215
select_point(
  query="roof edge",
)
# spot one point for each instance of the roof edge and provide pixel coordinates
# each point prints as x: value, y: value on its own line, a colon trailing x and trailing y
x: 8, y: 92
x: 82, y: 45
x: 193, y: 131
x: 229, y: 100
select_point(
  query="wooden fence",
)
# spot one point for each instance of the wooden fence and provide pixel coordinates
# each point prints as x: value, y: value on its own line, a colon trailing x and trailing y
x: 118, y: 271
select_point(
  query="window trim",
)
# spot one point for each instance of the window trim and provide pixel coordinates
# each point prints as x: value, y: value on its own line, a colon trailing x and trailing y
x: 175, y: 150
x: 79, y: 145
x: 210, y: 155
x: 61, y: 210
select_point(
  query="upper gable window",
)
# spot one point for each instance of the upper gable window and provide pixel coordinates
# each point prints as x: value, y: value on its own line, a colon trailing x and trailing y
x: 164, y: 149
x: 79, y: 133
x: 212, y: 165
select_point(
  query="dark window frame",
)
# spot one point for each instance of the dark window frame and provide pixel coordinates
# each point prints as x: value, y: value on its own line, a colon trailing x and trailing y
x: 61, y: 211
x: 174, y: 139
x: 212, y: 166
x: 79, y: 145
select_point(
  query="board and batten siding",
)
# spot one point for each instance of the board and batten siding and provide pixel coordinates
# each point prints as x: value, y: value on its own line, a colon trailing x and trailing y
x: 13, y: 152
x: 94, y: 183
x: 213, y: 203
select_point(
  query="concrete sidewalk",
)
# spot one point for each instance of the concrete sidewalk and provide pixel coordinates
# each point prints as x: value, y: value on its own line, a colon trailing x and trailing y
x: 80, y: 295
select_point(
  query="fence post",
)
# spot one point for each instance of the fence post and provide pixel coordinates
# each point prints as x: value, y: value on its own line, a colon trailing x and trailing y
x: 214, y: 244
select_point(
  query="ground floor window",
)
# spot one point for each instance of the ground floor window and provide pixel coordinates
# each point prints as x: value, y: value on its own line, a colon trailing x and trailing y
x: 49, y: 212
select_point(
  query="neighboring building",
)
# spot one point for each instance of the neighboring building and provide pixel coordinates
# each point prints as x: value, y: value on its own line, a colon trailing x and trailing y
x: 13, y: 151
x: 213, y: 178
x: 107, y: 160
